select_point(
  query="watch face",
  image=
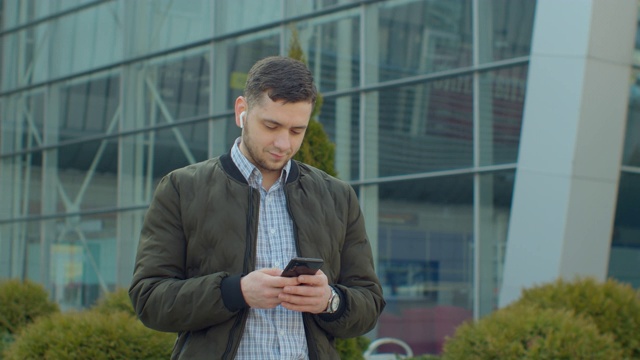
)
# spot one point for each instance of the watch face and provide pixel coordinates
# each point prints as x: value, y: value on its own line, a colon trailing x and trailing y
x: 335, y: 302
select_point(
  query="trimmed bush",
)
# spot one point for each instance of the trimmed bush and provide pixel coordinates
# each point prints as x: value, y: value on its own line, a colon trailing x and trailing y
x: 528, y: 332
x: 352, y: 348
x: 21, y: 303
x: 614, y: 307
x: 115, y: 301
x: 119, y: 301
x: 90, y: 335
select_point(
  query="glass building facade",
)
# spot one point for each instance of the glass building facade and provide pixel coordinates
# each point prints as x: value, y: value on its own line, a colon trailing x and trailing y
x: 424, y: 100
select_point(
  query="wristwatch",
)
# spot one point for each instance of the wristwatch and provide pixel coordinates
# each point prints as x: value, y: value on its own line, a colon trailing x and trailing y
x: 334, y: 302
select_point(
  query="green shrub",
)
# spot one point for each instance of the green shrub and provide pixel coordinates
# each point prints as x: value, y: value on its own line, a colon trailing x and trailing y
x: 21, y: 303
x: 613, y: 307
x: 352, y: 348
x: 90, y: 335
x: 119, y: 301
x: 528, y: 332
x: 6, y: 340
x: 115, y: 301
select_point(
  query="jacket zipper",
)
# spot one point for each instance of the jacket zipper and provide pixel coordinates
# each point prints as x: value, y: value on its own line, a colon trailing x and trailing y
x: 311, y: 344
x: 238, y: 325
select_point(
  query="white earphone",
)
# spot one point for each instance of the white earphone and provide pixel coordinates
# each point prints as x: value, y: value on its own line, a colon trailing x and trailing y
x: 242, y: 115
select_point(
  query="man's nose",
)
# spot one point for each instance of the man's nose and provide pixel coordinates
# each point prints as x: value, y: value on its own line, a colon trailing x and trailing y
x: 283, y: 140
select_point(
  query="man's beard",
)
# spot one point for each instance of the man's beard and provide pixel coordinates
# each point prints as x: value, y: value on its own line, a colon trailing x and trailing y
x: 259, y: 161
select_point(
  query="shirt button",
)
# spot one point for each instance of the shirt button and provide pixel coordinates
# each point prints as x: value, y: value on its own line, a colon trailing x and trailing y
x: 272, y: 231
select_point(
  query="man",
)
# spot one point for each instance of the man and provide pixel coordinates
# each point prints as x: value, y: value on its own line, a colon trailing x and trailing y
x: 218, y: 233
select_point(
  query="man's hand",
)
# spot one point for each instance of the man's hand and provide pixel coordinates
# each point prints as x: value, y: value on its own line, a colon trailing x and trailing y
x: 312, y: 295
x: 261, y: 288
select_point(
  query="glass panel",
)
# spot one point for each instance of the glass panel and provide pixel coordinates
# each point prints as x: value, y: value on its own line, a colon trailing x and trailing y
x: 21, y: 181
x: 636, y: 52
x: 506, y: 29
x: 238, y: 15
x: 73, y: 43
x: 24, y: 130
x: 631, y: 152
x: 425, y: 238
x: 20, y: 12
x: 11, y: 66
x: 177, y: 87
x: 83, y: 41
x: 340, y: 118
x: 331, y: 46
x: 12, y: 14
x: 233, y: 60
x: 24, y: 57
x: 86, y: 175
x: 423, y: 36
x: 81, y: 264
x: 501, y: 106
x: 177, y: 147
x: 30, y: 260
x: 89, y: 107
x: 423, y: 127
x: 625, y: 244
x: 494, y: 208
x: 300, y: 7
x: 160, y: 24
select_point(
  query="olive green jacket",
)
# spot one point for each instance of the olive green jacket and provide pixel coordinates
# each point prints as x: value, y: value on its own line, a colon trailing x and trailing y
x: 199, y: 238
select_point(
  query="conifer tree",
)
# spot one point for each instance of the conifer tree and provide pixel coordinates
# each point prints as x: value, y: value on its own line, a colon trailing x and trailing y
x: 316, y: 149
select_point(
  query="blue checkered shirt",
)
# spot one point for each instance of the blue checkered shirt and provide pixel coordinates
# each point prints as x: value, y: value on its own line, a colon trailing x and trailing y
x: 275, y: 333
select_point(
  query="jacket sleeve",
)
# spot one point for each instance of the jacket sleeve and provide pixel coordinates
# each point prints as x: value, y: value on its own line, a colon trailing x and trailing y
x: 360, y: 290
x: 164, y: 296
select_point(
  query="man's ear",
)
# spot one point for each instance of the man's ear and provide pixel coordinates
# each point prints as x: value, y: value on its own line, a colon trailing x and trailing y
x: 241, y: 111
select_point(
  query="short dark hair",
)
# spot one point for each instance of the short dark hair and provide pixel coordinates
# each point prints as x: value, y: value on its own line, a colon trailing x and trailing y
x: 282, y: 78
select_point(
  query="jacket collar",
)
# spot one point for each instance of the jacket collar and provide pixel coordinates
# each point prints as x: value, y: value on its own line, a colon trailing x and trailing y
x: 232, y: 170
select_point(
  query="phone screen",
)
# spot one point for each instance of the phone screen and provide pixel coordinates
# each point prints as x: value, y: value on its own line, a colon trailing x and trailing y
x: 302, y: 266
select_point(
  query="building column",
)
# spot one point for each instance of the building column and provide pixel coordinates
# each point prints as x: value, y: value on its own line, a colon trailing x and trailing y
x: 571, y: 143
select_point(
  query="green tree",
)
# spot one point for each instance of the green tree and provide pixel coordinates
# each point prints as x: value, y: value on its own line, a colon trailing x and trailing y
x: 316, y: 149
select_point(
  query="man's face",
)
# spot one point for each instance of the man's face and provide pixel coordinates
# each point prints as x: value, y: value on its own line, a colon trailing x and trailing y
x: 273, y: 133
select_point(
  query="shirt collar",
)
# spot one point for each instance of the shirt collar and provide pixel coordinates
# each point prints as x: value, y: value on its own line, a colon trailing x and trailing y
x: 248, y: 169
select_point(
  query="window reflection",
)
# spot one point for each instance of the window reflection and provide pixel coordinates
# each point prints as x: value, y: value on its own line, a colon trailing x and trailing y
x: 89, y: 107
x: 333, y: 54
x: 631, y: 152
x: 162, y: 24
x: 425, y: 237
x: 625, y: 242
x: 505, y: 28
x: 239, y: 55
x: 340, y: 118
x: 30, y: 114
x: 426, y: 127
x: 177, y: 87
x: 80, y: 266
x: 418, y: 37
x: 501, y: 107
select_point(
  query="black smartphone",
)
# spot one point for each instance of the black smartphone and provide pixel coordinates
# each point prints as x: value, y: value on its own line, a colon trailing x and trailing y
x: 302, y: 266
